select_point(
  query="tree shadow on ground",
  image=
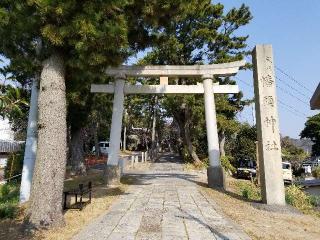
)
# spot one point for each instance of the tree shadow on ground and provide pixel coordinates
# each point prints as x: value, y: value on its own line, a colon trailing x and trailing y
x: 196, y: 219
x: 236, y: 195
x: 14, y: 229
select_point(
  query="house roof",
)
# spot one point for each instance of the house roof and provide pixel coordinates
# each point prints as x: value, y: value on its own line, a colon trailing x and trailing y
x: 315, y: 100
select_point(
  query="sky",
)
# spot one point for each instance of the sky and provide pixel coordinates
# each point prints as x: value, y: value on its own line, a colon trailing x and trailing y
x: 293, y: 29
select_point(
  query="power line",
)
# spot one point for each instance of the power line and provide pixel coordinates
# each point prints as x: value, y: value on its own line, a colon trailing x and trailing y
x: 282, y: 104
x: 292, y: 109
x: 249, y: 85
x: 288, y: 85
x: 292, y: 78
x: 290, y: 94
x: 282, y: 89
x: 283, y: 72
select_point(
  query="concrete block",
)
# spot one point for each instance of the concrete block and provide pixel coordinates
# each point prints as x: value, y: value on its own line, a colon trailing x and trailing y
x: 216, y: 177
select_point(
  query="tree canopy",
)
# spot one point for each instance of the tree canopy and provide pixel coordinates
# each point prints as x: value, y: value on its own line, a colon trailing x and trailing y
x: 68, y: 44
x: 205, y: 33
x: 312, y: 130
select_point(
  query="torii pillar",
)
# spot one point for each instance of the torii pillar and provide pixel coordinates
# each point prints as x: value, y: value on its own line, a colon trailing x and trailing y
x: 215, y: 173
x: 112, y: 173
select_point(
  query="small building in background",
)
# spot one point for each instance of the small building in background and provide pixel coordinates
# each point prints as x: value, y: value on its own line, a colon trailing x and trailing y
x: 7, y: 144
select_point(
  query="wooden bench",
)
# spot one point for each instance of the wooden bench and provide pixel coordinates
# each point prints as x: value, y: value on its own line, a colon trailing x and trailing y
x: 81, y: 191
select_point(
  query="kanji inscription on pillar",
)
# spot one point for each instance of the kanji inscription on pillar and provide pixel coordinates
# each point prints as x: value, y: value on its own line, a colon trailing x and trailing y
x: 268, y: 126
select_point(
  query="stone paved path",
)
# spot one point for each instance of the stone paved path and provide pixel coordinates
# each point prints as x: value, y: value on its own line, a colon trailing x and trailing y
x: 165, y: 203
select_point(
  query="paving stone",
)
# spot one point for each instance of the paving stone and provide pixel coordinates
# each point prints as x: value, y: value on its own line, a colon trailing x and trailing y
x: 166, y: 205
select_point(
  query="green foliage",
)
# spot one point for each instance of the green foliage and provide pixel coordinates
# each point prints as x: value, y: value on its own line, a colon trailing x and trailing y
x: 12, y: 102
x: 14, y: 165
x: 290, y: 152
x: 242, y: 145
x: 316, y: 172
x: 203, y: 33
x: 312, y: 130
x: 185, y: 155
x: 249, y: 190
x: 226, y: 164
x: 89, y: 35
x: 14, y: 106
x: 9, y: 199
x: 298, y: 199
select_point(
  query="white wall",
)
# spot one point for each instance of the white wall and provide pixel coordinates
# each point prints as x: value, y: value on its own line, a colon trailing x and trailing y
x: 5, y: 130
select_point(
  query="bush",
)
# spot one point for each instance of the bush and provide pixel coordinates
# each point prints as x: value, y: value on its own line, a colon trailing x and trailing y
x: 299, y: 199
x: 249, y: 191
x: 185, y: 155
x: 226, y: 164
x: 14, y: 165
x: 316, y: 172
x: 9, y: 199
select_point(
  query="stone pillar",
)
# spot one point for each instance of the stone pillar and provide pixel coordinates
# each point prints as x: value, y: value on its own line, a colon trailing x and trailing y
x: 31, y: 145
x: 270, y: 162
x: 112, y: 170
x: 215, y: 173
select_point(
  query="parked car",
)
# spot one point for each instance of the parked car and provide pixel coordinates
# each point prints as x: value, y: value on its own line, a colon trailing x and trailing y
x: 287, y: 172
x: 246, y: 169
x: 246, y: 173
x: 104, y: 148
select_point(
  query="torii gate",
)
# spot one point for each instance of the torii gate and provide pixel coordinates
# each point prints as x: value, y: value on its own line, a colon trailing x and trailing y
x: 205, y: 72
x: 269, y: 146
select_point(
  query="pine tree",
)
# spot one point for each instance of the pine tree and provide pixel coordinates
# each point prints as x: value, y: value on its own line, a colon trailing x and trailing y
x: 77, y: 39
x: 204, y: 33
x: 312, y: 130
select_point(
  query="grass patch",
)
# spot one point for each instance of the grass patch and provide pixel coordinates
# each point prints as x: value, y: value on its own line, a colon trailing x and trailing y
x: 316, y: 172
x: 294, y: 195
x: 191, y: 166
x: 306, y: 203
x: 9, y: 199
x: 249, y: 190
x: 95, y: 177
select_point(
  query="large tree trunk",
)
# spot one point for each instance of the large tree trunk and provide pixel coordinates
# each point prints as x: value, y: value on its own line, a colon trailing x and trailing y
x: 222, y: 141
x: 184, y: 122
x: 187, y: 137
x: 47, y: 186
x: 77, y: 152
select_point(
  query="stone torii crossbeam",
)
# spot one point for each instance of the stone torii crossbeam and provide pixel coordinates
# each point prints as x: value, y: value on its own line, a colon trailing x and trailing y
x: 205, y: 72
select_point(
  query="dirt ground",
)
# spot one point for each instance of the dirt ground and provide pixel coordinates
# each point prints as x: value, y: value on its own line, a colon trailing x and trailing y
x: 102, y: 198
x: 262, y: 224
